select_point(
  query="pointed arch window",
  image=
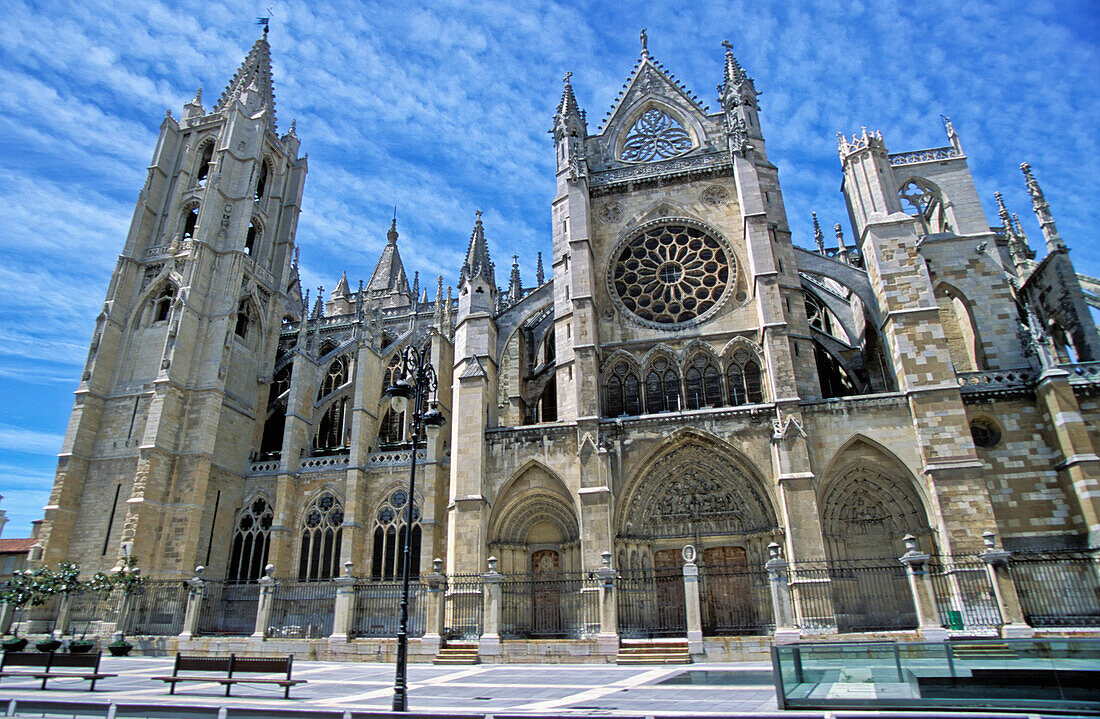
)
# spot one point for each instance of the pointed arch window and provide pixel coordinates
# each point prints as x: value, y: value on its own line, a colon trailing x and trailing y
x: 261, y: 182
x: 703, y: 383
x: 926, y: 204
x: 271, y: 444
x: 190, y: 221
x: 334, y: 429
x: 321, y: 535
x: 835, y: 380
x: 623, y: 391
x: 392, y: 429
x: 162, y: 305
x: 251, y: 538
x: 662, y: 387
x: 744, y: 379
x: 655, y: 135
x: 389, y: 537
x: 281, y: 384
x: 206, y: 157
x: 244, y: 319
x: 335, y: 377
x: 252, y: 237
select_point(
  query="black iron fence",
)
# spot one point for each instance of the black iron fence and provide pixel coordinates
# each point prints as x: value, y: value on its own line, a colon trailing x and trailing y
x: 378, y: 608
x: 852, y: 596
x: 228, y: 608
x: 465, y: 600
x: 1058, y: 589
x: 301, y: 609
x: 550, y: 605
x: 735, y: 599
x: 90, y: 611
x: 965, y: 599
x: 651, y: 603
x: 157, y: 608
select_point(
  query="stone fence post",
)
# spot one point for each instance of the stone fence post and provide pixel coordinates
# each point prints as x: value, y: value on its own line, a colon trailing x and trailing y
x: 7, y: 615
x: 489, y: 644
x: 691, y: 601
x: 920, y: 586
x: 1013, y: 624
x: 263, y: 607
x: 195, y: 591
x: 785, y: 631
x: 64, y: 615
x: 607, y: 641
x: 343, y: 611
x: 436, y: 608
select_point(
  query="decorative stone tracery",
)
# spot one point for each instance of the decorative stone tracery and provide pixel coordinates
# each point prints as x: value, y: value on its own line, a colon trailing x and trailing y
x: 655, y: 135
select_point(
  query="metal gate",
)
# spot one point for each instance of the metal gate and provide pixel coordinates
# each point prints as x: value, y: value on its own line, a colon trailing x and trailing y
x: 651, y: 603
x: 853, y: 595
x: 229, y: 608
x: 1058, y: 589
x: 302, y: 609
x: 464, y: 606
x: 736, y: 599
x: 965, y: 598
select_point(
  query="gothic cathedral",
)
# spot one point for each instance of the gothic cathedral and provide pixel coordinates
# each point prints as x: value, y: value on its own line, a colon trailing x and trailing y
x: 679, y: 374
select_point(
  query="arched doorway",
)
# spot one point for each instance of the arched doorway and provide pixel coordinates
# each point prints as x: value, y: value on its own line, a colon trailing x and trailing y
x: 699, y: 491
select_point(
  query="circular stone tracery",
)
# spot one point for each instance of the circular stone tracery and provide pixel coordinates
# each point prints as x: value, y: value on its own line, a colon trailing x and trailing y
x: 671, y: 274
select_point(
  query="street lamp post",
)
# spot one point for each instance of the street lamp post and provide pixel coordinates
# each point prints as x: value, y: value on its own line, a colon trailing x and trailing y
x: 417, y: 381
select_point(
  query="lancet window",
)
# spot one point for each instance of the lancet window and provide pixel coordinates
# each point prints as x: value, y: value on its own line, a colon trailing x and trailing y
x: 703, y: 383
x: 261, y: 183
x: 392, y: 428
x: 335, y: 377
x: 662, y: 387
x: 321, y: 533
x: 162, y: 305
x: 190, y: 221
x: 251, y: 538
x: 744, y: 379
x: 244, y: 318
x: 252, y: 237
x: 334, y: 429
x: 389, y: 537
x: 623, y: 391
x: 206, y: 157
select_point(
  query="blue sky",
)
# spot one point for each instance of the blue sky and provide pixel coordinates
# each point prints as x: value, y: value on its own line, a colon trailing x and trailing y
x: 444, y: 109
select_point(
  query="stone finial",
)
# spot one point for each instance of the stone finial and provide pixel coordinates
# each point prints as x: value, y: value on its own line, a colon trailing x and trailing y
x: 437, y: 565
x: 775, y: 551
x: 841, y: 248
x: 910, y: 543
x: 347, y: 568
x: 269, y: 571
x: 199, y: 570
x: 493, y: 564
x: 605, y: 558
x: 1042, y: 211
x: 990, y: 539
x: 540, y: 274
x: 819, y: 236
x: 645, y: 42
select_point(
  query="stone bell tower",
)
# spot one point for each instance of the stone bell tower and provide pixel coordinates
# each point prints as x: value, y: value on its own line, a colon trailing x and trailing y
x: 174, y: 384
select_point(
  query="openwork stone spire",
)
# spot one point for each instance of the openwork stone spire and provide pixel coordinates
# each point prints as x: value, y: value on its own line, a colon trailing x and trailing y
x: 253, y: 76
x: 819, y: 236
x: 1017, y: 246
x: 1042, y: 211
x: 540, y: 274
x: 477, y: 257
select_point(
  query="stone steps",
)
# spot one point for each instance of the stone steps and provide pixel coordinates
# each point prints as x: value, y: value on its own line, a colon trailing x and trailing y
x: 457, y: 654
x: 653, y: 652
x: 995, y: 650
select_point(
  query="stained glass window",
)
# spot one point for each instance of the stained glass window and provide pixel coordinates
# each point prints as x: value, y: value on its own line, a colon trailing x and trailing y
x: 655, y: 135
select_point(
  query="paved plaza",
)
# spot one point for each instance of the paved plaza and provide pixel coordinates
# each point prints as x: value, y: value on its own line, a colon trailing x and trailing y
x: 478, y: 689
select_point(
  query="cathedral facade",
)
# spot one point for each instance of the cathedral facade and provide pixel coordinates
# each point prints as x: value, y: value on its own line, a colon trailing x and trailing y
x: 678, y: 373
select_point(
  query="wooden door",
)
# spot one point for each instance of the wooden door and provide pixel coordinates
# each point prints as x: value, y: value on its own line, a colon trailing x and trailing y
x: 727, y: 592
x: 545, y: 593
x: 669, y: 614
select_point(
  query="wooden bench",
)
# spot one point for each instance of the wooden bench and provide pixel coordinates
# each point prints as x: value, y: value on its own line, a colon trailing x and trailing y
x: 227, y: 671
x: 45, y: 666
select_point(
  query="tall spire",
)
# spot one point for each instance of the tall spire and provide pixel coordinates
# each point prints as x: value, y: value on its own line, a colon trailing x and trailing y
x: 737, y: 87
x: 569, y: 119
x: 253, y: 78
x: 819, y: 236
x: 540, y: 274
x: 1017, y: 246
x: 389, y: 273
x: 1042, y: 211
x: 477, y: 257
x: 515, y: 285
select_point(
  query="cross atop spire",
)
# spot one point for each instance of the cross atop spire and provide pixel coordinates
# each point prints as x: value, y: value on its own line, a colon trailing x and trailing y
x: 254, y: 75
x: 735, y: 82
x: 569, y: 114
x: 477, y: 256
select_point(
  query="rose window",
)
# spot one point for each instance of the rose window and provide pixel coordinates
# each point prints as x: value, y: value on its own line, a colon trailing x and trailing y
x: 671, y: 275
x: 655, y: 136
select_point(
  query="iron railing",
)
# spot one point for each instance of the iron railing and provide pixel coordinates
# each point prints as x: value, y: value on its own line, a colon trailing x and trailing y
x: 464, y: 606
x: 378, y: 608
x: 301, y: 609
x: 651, y: 603
x: 852, y: 596
x: 158, y: 608
x: 550, y: 605
x: 965, y: 599
x: 1058, y: 589
x: 88, y: 611
x: 735, y: 599
x: 228, y: 608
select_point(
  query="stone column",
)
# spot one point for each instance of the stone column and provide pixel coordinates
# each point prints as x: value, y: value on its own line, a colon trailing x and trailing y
x: 920, y: 585
x: 343, y: 619
x: 691, y: 601
x: 489, y: 644
x: 194, y: 604
x: 125, y: 608
x: 64, y: 615
x: 7, y: 614
x: 1013, y: 625
x: 436, y: 609
x: 785, y: 631
x: 263, y: 607
x: 607, y: 641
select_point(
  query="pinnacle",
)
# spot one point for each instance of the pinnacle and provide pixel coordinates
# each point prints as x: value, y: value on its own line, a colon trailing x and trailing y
x: 254, y: 74
x: 477, y: 255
